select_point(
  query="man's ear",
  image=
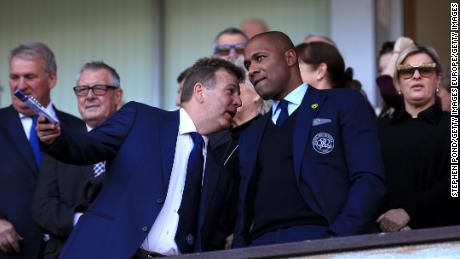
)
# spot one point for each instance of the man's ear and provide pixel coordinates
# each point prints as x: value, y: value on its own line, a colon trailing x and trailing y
x: 198, y: 92
x: 291, y: 57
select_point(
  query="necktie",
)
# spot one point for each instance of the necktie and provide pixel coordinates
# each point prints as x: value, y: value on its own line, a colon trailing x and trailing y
x: 98, y: 168
x: 34, y: 142
x: 283, y: 113
x: 188, y: 210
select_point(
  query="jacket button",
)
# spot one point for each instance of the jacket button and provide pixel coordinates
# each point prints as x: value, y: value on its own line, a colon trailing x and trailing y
x: 159, y: 200
x: 145, y: 228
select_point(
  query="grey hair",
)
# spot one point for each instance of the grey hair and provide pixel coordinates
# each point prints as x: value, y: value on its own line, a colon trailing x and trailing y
x: 96, y: 65
x: 35, y: 50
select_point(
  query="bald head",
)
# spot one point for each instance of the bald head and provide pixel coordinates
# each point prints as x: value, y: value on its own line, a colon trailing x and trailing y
x: 276, y: 38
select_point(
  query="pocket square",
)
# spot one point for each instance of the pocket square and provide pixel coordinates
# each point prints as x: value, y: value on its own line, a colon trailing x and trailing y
x: 320, y: 121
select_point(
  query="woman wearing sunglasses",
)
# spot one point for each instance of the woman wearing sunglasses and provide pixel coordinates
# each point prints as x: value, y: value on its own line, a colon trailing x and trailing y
x: 416, y: 149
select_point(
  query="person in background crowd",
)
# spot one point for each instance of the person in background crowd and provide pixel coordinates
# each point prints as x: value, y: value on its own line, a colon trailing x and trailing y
x: 322, y: 66
x: 386, y: 68
x: 252, y: 27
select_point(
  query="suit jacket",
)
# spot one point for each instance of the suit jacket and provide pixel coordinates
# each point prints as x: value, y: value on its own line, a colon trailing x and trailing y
x: 139, y: 140
x: 18, y: 176
x: 61, y: 191
x: 337, y: 162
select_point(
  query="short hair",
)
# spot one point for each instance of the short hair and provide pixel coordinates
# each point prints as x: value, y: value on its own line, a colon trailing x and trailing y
x: 35, y: 50
x: 278, y: 39
x: 431, y: 52
x: 96, y: 65
x: 315, y: 53
x: 387, y: 47
x: 231, y: 30
x: 182, y: 75
x: 204, y: 72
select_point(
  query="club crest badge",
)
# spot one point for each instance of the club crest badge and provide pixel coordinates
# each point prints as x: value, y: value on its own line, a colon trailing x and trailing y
x: 323, y: 143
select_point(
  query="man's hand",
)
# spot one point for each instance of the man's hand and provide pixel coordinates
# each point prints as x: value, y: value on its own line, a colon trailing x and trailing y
x: 394, y: 220
x: 9, y: 239
x: 47, y: 131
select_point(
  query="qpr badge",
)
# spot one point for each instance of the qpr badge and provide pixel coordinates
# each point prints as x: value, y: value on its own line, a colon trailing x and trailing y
x: 323, y: 143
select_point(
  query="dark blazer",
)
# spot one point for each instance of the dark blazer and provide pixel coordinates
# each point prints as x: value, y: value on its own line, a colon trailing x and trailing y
x: 343, y: 184
x: 139, y: 140
x: 18, y: 176
x: 61, y: 191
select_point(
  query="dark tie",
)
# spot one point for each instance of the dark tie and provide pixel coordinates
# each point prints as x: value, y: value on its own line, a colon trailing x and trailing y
x: 188, y: 211
x: 283, y: 113
x: 34, y: 143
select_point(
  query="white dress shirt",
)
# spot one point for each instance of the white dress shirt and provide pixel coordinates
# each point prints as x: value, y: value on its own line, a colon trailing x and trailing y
x: 160, y: 239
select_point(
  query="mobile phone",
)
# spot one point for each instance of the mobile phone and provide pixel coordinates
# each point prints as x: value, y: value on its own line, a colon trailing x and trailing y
x: 35, y: 106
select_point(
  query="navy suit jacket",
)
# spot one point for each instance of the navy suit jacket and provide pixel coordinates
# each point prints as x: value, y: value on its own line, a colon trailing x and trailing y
x: 18, y: 176
x: 343, y: 184
x: 139, y: 143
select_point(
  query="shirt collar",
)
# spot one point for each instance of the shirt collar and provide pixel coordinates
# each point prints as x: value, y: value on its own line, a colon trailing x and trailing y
x: 294, y: 97
x: 187, y: 126
x: 432, y: 114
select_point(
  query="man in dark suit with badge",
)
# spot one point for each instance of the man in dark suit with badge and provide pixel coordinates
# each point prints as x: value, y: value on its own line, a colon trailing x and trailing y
x: 311, y: 167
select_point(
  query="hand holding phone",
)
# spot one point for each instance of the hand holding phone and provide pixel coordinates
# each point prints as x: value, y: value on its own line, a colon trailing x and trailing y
x: 35, y: 106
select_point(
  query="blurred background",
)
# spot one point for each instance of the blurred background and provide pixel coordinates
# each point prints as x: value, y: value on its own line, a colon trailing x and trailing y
x: 150, y: 42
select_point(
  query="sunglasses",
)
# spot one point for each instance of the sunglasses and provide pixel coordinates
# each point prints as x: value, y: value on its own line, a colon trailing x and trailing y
x: 224, y: 49
x: 425, y: 70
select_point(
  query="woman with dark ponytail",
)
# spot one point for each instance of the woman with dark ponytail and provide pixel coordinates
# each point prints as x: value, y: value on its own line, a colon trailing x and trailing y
x: 322, y: 66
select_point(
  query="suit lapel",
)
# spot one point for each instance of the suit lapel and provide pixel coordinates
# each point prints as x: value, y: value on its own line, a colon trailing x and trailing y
x: 17, y: 137
x: 310, y: 106
x: 168, y: 139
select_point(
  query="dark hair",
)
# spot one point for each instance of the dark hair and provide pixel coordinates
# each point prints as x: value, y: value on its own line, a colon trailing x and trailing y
x: 204, y: 72
x: 36, y: 50
x: 387, y: 47
x: 231, y: 30
x: 315, y: 53
x: 96, y: 65
x: 182, y: 75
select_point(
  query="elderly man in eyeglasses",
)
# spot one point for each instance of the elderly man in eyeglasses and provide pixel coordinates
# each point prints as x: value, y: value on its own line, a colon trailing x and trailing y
x: 62, y: 197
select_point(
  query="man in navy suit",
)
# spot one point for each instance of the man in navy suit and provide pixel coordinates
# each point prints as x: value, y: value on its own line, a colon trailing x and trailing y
x: 310, y: 168
x: 137, y: 213
x: 33, y: 71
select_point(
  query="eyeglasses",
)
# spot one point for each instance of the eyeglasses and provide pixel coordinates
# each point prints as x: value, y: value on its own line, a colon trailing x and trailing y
x: 224, y: 49
x: 407, y: 71
x: 99, y: 90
